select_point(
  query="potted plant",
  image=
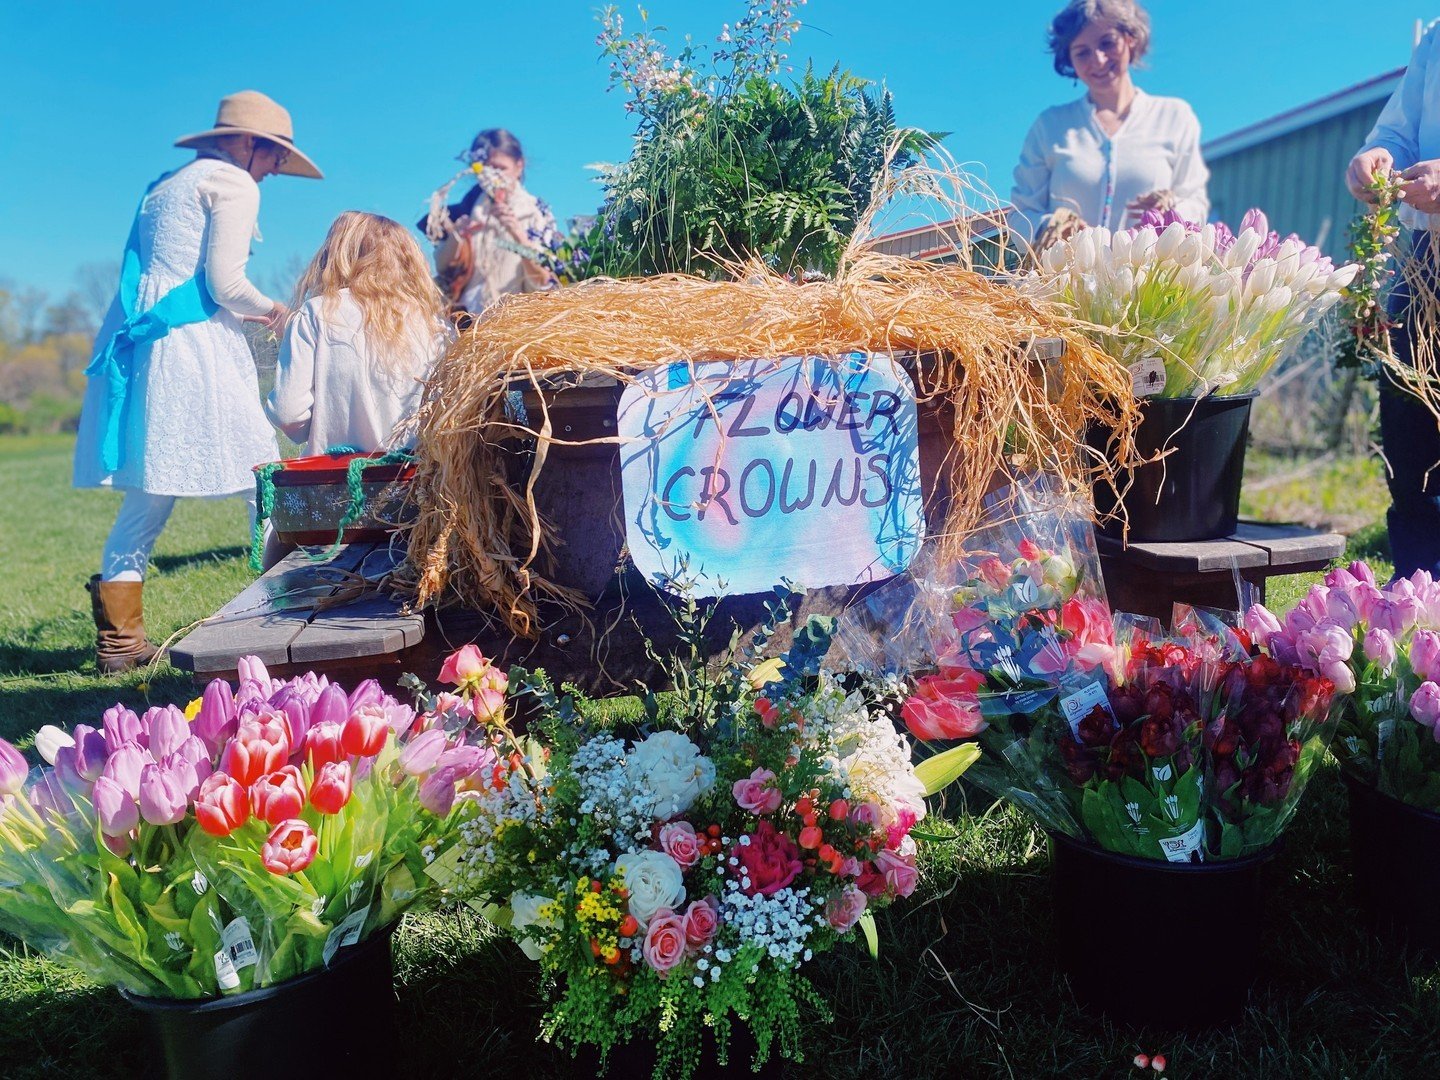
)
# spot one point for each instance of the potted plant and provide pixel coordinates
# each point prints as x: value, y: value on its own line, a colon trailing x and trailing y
x: 238, y: 862
x: 1163, y: 766
x: 1381, y: 645
x: 1198, y: 315
x: 672, y: 879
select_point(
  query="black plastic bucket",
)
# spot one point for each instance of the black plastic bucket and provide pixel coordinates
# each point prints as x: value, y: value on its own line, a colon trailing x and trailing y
x: 1395, y: 854
x: 1158, y: 944
x: 336, y: 1021
x: 1194, y: 492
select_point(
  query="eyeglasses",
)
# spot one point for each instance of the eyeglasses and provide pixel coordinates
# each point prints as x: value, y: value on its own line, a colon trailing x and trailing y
x: 282, y: 154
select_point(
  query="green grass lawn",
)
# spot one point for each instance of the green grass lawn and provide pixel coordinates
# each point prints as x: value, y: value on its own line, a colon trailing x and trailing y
x: 965, y: 985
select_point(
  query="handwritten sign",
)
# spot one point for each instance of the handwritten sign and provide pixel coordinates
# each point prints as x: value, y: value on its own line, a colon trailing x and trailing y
x: 739, y: 475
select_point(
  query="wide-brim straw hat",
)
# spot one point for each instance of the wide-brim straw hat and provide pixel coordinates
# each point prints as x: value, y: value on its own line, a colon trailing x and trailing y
x: 252, y: 113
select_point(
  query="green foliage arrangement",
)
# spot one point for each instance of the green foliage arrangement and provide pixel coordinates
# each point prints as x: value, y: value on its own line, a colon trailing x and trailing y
x: 731, y: 164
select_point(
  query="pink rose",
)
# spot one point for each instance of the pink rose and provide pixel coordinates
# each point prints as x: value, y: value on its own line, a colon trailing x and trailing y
x: 664, y: 945
x: 843, y: 910
x: 701, y: 920
x: 758, y: 794
x: 899, y: 871
x: 771, y: 860
x: 678, y: 840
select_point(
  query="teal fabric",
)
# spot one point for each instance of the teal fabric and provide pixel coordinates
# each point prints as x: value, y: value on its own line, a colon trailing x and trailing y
x: 188, y: 302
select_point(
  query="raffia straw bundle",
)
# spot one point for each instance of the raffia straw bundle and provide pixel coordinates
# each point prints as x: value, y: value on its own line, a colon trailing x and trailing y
x: 479, y: 538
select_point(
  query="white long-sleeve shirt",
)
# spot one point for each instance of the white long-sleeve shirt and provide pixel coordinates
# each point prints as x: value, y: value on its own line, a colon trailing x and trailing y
x: 333, y: 388
x: 1409, y: 125
x: 232, y: 198
x: 1068, y: 161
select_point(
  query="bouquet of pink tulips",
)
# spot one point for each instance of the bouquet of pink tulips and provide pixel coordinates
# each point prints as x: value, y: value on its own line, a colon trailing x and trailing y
x: 1381, y: 646
x: 1192, y: 309
x: 241, y: 841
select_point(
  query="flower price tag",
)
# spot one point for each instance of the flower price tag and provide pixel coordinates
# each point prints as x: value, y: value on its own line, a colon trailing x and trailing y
x: 1147, y: 377
x: 225, y: 973
x: 346, y: 933
x: 1081, y: 703
x: 1181, y: 848
x: 239, y: 944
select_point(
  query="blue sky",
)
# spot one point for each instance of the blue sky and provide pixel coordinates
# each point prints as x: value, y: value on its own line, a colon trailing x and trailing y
x: 384, y: 94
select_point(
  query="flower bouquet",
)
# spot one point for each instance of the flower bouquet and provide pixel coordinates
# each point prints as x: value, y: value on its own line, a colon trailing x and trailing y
x: 242, y: 843
x: 1380, y: 646
x: 1193, y: 312
x: 673, y: 880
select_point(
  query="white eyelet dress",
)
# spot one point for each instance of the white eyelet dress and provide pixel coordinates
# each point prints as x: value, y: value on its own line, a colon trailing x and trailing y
x: 194, y: 425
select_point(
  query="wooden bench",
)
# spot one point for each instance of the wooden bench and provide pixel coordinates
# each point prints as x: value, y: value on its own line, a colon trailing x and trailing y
x: 1148, y: 579
x: 283, y: 618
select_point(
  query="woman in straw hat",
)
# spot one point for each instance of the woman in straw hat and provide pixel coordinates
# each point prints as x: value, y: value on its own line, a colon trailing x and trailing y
x: 172, y: 408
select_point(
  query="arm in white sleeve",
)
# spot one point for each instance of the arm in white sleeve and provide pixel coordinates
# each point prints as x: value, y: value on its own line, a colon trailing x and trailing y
x: 292, y: 401
x: 233, y: 200
x: 1192, y: 202
x: 1398, y: 129
x: 1030, y: 195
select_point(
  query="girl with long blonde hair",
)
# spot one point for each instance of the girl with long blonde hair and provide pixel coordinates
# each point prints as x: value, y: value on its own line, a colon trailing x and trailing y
x: 368, y: 324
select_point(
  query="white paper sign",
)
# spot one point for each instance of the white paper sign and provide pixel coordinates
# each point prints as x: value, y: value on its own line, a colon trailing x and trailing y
x: 739, y: 475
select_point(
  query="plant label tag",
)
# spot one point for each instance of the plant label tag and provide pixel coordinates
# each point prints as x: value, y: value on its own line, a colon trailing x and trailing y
x: 346, y: 933
x: 1078, y: 705
x: 225, y: 973
x: 1383, y: 731
x: 1147, y: 377
x: 239, y: 944
x: 1181, y: 848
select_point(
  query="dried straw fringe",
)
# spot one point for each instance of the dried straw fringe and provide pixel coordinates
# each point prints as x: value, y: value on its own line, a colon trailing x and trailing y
x: 478, y: 537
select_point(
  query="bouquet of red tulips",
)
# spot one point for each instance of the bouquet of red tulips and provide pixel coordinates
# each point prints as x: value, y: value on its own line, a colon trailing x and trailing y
x: 241, y: 841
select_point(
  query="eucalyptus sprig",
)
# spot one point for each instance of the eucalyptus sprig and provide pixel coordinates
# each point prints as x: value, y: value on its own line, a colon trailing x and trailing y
x: 1373, y: 238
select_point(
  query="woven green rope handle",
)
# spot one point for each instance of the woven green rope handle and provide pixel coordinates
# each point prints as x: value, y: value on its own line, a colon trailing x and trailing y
x: 355, y: 486
x: 264, y: 508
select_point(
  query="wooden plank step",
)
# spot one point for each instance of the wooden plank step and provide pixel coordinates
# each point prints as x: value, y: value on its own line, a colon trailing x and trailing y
x: 1194, y: 557
x: 369, y: 627
x: 1292, y: 545
x: 267, y: 615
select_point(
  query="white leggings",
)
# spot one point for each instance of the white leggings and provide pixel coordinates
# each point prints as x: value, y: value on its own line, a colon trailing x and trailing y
x: 141, y: 519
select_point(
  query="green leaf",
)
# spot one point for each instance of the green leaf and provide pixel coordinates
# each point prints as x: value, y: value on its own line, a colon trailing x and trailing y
x: 872, y: 937
x: 942, y: 770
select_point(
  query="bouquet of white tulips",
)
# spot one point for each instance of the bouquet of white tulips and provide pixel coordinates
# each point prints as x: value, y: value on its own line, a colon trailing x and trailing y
x: 1192, y: 309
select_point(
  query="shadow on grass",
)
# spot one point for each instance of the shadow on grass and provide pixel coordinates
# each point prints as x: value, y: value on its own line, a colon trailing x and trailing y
x: 84, y: 1031
x: 67, y: 701
x: 168, y: 564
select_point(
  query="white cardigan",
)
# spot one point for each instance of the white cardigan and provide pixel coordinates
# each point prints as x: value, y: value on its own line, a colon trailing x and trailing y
x: 1068, y: 161
x: 331, y: 386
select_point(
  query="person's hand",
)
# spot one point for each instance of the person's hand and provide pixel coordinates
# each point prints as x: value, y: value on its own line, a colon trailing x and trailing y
x: 1363, y: 167
x: 273, y: 320
x: 1159, y: 201
x: 504, y: 215
x: 1422, y: 186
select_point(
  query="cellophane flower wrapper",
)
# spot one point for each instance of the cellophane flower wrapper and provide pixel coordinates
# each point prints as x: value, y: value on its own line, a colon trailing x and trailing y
x: 1270, y: 725
x: 134, y: 891
x: 670, y: 878
x: 1380, y: 647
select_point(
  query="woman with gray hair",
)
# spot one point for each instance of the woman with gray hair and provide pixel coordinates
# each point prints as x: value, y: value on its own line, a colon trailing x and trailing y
x: 1117, y: 151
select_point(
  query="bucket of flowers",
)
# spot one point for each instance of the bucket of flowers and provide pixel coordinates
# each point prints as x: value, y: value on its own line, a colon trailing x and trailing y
x: 1381, y: 646
x: 672, y: 878
x: 240, y: 862
x: 1198, y: 315
x: 1164, y: 766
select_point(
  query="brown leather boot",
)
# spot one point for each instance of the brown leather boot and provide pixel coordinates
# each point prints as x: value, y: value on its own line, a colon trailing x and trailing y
x: 120, y: 642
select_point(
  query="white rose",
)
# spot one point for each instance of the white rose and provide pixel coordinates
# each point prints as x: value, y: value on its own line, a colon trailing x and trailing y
x: 526, y: 910
x: 654, y: 880
x: 671, y: 767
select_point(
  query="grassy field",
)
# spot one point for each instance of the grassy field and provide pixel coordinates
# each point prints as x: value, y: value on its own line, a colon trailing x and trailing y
x: 965, y: 985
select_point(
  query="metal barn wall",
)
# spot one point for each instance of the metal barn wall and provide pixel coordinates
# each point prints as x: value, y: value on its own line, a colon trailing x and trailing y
x: 1297, y: 178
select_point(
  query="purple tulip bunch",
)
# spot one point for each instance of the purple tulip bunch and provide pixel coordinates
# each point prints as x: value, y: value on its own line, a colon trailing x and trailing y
x: 1380, y: 645
x: 152, y: 846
